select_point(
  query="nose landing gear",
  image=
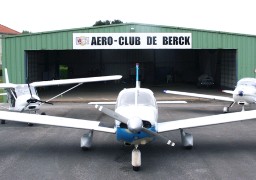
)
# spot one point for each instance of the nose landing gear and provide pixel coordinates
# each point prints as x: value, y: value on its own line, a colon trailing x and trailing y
x: 136, y: 158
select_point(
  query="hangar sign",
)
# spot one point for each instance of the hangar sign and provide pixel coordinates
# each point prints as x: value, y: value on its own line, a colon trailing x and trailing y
x: 132, y: 40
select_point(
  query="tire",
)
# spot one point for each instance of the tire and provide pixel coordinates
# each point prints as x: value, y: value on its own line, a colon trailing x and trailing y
x: 136, y: 168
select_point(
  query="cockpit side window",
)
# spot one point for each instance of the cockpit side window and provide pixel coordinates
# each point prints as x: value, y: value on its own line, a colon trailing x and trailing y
x: 24, y: 89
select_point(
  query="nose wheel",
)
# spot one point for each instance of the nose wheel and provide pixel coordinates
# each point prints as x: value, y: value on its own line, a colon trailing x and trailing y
x: 136, y: 159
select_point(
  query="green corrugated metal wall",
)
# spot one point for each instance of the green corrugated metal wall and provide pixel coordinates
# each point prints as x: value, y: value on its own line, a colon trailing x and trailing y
x: 14, y: 47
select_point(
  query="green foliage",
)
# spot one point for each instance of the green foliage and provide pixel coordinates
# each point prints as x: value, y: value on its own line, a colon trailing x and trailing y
x: 107, y: 22
x: 1, y: 90
x: 26, y: 32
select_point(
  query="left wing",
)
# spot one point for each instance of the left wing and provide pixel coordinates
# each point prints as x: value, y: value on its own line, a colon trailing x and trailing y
x: 75, y: 81
x: 206, y: 121
x: 55, y: 121
x: 222, y: 98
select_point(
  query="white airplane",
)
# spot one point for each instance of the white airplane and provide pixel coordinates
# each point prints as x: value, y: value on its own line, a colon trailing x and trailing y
x: 244, y: 94
x: 136, y: 122
x: 24, y: 97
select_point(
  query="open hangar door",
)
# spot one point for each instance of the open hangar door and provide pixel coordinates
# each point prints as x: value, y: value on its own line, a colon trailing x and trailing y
x: 186, y: 66
x: 158, y: 67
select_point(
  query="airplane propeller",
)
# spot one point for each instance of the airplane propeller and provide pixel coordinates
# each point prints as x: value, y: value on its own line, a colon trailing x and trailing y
x: 133, y: 125
x: 33, y: 100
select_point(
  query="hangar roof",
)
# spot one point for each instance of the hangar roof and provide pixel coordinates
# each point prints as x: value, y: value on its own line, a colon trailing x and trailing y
x: 147, y: 28
x: 6, y: 30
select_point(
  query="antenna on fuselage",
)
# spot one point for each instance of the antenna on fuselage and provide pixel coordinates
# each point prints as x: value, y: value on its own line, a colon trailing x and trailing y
x: 137, y: 76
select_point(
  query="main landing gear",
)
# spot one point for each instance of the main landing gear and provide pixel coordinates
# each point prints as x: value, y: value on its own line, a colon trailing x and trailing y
x: 186, y: 139
x: 86, y: 140
x: 226, y: 109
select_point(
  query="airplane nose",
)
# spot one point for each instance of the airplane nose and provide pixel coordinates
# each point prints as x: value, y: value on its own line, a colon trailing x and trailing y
x: 240, y: 93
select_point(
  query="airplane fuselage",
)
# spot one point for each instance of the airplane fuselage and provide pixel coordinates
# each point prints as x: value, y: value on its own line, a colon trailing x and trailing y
x: 19, y: 97
x: 21, y: 103
x: 245, y: 91
x: 139, y: 106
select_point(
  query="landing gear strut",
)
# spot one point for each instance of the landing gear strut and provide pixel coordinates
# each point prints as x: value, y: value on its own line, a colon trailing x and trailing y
x: 136, y: 158
x: 226, y: 109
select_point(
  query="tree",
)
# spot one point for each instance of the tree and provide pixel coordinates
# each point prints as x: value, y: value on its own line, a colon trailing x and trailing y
x: 107, y: 22
x: 25, y: 32
x: 116, y: 21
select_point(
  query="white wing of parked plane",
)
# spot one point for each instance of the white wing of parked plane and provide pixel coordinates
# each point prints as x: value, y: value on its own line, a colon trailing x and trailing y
x: 75, y: 81
x: 206, y: 121
x: 55, y: 121
x: 7, y: 85
x: 222, y: 98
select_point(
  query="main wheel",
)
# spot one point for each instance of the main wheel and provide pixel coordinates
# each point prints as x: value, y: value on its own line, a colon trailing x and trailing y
x: 225, y: 109
x: 30, y: 124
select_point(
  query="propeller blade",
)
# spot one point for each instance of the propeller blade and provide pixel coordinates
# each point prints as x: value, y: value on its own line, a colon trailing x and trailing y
x: 123, y: 119
x: 163, y: 138
x: 29, y: 89
x: 112, y: 114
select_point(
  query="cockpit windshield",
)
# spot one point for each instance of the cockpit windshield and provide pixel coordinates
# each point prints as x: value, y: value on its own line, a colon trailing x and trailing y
x: 24, y: 89
x: 247, y: 82
x: 143, y: 98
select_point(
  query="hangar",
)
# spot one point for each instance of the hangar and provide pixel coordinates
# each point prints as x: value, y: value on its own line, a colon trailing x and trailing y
x: 226, y: 57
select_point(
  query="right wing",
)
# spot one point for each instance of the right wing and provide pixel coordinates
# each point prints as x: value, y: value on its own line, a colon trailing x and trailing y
x: 222, y: 98
x: 206, y: 121
x: 55, y: 121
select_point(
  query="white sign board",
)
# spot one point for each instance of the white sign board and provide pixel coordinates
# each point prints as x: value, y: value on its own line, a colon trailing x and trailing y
x: 132, y: 41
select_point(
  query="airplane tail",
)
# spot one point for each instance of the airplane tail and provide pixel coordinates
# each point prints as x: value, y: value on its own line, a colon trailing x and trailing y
x: 137, y: 76
x: 6, y: 76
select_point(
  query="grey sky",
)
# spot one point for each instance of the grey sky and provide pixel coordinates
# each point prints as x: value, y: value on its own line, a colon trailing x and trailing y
x: 47, y: 15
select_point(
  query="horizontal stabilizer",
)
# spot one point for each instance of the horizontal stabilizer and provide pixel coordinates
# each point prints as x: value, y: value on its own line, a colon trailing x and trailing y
x: 228, y: 91
x: 158, y: 102
x: 171, y: 102
x: 102, y: 103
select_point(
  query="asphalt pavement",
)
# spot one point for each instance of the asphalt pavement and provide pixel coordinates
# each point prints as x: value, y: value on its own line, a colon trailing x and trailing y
x: 226, y: 151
